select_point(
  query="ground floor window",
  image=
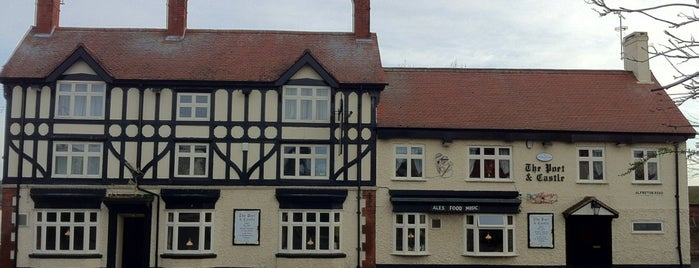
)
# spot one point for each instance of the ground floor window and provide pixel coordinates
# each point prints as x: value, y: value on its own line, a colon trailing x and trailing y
x: 310, y: 231
x: 65, y: 231
x: 490, y: 235
x: 189, y: 231
x: 410, y: 233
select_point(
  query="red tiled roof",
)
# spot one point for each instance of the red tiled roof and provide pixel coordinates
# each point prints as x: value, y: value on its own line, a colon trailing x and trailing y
x: 203, y: 55
x: 548, y: 100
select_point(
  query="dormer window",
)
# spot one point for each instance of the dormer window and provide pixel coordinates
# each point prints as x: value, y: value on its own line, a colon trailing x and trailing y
x: 306, y: 104
x: 80, y: 100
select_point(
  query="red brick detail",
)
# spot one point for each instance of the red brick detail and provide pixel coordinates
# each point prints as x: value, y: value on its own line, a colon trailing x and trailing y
x: 361, y: 19
x: 47, y: 15
x: 176, y: 18
x: 7, y: 228
x: 369, y: 228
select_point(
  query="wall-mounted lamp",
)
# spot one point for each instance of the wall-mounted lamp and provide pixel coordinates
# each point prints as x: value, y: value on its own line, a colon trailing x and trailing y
x: 530, y: 144
x: 156, y: 90
x: 36, y: 87
x: 595, y: 207
x: 547, y: 143
x: 446, y: 142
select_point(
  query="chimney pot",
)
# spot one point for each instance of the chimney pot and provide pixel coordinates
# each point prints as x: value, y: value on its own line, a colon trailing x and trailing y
x: 636, y: 56
x: 47, y: 15
x: 361, y: 19
x: 176, y: 19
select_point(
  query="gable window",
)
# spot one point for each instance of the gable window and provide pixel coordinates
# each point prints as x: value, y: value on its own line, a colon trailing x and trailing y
x: 75, y: 159
x: 647, y: 168
x: 192, y: 106
x: 80, y: 100
x: 410, y: 233
x: 490, y: 235
x: 192, y: 159
x: 189, y: 231
x: 409, y: 161
x: 647, y: 227
x: 591, y: 164
x: 305, y: 161
x: 66, y: 231
x: 306, y: 104
x: 489, y: 162
x: 310, y: 231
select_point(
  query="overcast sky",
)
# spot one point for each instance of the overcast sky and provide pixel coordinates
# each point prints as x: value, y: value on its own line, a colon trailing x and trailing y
x: 538, y: 34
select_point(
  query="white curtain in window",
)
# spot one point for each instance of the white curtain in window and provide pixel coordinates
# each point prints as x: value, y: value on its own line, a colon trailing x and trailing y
x: 290, y: 109
x: 322, y: 110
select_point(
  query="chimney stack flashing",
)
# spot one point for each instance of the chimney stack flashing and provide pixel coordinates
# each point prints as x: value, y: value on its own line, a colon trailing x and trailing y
x: 636, y: 56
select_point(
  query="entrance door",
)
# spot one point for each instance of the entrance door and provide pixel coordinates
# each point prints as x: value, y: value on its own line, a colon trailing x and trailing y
x: 589, y: 241
x: 134, y: 247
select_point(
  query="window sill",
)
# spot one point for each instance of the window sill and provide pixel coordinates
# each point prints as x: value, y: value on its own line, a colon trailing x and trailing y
x: 409, y: 179
x: 647, y: 183
x: 311, y: 255
x: 410, y: 254
x: 592, y: 182
x: 491, y: 255
x: 490, y: 180
x: 64, y: 256
x: 188, y: 256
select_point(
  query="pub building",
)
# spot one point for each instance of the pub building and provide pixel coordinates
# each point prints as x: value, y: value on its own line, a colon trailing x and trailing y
x: 183, y: 147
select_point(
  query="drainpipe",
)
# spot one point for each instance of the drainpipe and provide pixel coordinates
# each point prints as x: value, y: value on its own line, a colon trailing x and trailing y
x: 677, y: 203
x: 157, y: 218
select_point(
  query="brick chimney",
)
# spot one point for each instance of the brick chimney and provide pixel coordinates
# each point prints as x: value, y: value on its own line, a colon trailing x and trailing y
x: 361, y: 19
x: 176, y: 19
x: 47, y: 16
x: 636, y: 56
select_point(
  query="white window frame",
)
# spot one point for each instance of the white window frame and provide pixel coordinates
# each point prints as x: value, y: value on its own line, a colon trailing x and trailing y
x: 591, y: 159
x: 193, y: 157
x: 204, y: 227
x: 315, y: 157
x: 193, y: 106
x: 635, y: 224
x: 473, y: 225
x: 646, y: 158
x: 410, y: 234
x: 309, y: 228
x: 66, y: 226
x: 408, y: 154
x: 294, y: 98
x: 477, y: 156
x: 74, y: 158
x: 94, y: 94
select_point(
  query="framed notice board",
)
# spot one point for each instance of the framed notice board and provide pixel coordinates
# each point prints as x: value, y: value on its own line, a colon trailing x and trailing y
x: 246, y: 227
x: 540, y: 230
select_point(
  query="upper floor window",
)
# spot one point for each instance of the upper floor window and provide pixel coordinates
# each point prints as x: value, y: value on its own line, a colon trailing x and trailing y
x: 76, y: 159
x: 305, y: 161
x: 193, y: 106
x: 410, y: 233
x: 310, y: 231
x: 591, y: 164
x: 70, y: 232
x: 306, y: 104
x: 192, y: 159
x: 490, y: 235
x: 489, y: 162
x: 80, y: 100
x: 646, y: 168
x: 409, y: 161
x: 189, y: 231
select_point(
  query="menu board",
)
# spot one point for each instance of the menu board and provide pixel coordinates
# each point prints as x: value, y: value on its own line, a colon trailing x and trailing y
x: 246, y: 229
x: 540, y: 230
